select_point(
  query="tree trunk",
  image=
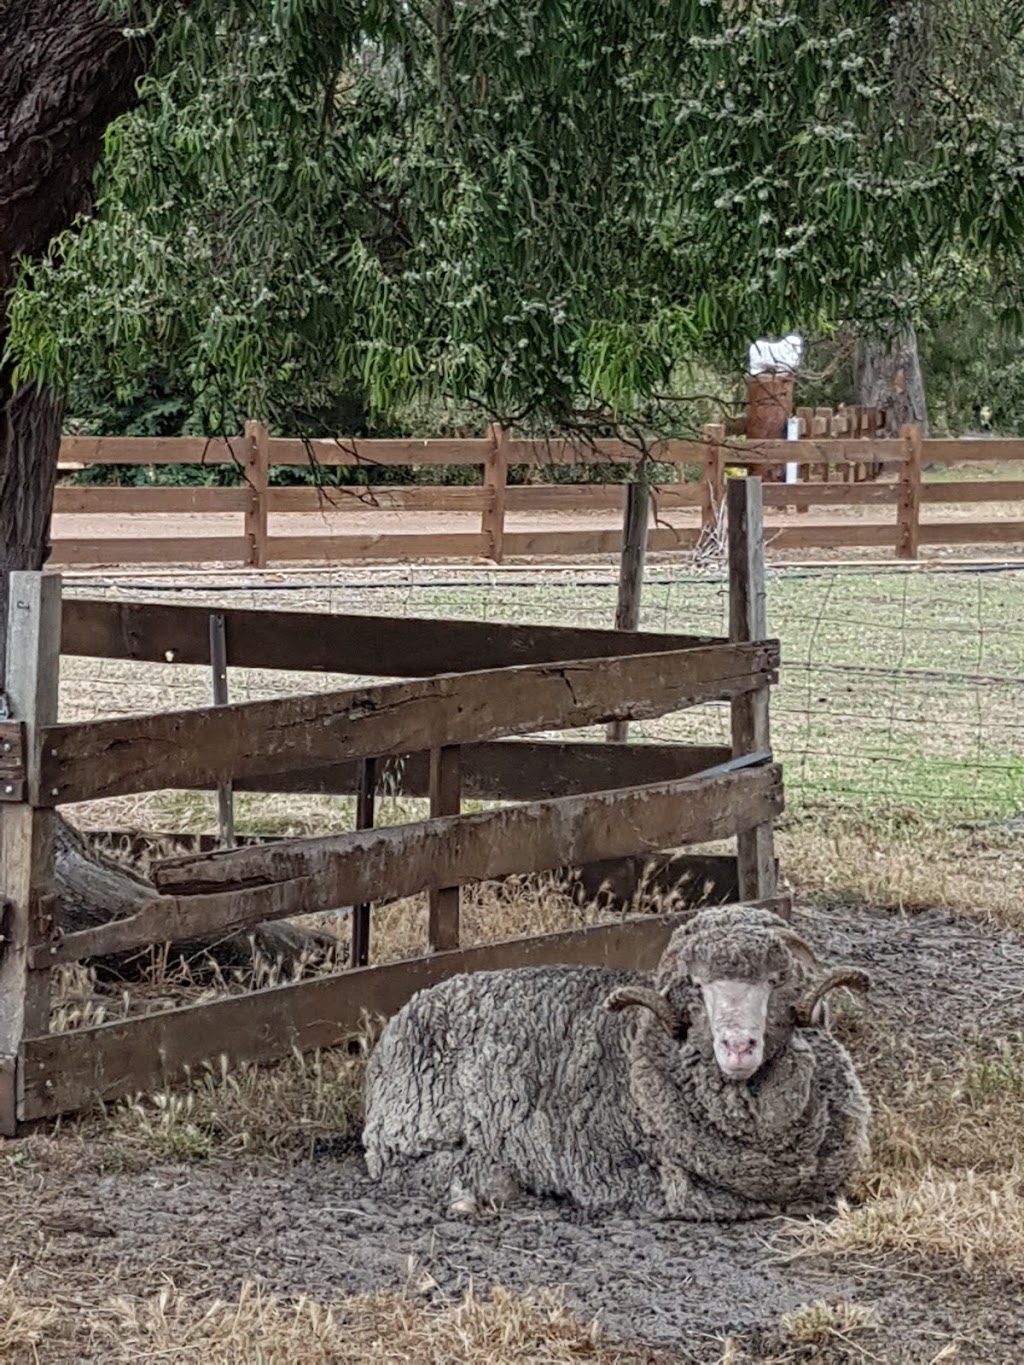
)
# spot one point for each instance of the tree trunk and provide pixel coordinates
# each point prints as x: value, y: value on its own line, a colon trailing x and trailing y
x: 68, y: 71
x: 889, y: 378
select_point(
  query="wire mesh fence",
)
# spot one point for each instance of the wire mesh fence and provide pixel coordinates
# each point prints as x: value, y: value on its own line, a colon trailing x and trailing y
x: 902, y: 686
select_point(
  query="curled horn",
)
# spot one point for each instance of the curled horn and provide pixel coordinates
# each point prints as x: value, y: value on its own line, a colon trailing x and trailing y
x: 800, y: 949
x: 671, y: 1020
x: 850, y: 977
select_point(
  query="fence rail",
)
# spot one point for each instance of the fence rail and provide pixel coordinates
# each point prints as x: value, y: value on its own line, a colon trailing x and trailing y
x: 455, y: 718
x: 840, y: 466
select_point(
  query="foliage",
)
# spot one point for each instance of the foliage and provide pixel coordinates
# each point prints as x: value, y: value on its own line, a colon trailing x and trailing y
x: 971, y: 359
x: 543, y: 211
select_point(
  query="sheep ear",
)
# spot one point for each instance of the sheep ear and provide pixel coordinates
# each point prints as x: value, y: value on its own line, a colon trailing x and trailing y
x: 627, y: 996
x: 849, y: 977
x: 800, y: 948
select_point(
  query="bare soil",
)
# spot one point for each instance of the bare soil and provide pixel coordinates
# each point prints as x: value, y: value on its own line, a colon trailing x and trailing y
x: 80, y: 1227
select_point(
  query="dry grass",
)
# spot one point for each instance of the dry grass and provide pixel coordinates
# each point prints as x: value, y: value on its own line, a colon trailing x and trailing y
x: 947, y: 1177
x: 905, y: 860
x: 173, y: 1325
x: 280, y: 1111
x: 24, y: 1325
x: 973, y: 1219
x: 818, y: 1324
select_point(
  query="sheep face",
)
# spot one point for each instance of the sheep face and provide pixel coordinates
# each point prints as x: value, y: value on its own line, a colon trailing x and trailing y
x: 737, y: 1017
x: 747, y: 1000
x: 756, y: 983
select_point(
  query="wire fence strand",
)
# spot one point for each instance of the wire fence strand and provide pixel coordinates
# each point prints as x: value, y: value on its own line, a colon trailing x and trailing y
x: 901, y: 687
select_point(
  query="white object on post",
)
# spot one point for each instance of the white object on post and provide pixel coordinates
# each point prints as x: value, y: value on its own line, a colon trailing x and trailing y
x: 780, y: 356
x: 792, y: 434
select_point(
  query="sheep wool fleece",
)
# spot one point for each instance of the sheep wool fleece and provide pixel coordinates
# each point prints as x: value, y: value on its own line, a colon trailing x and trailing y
x: 513, y: 1081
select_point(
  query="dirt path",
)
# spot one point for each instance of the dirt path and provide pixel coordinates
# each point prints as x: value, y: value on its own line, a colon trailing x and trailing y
x: 318, y: 1227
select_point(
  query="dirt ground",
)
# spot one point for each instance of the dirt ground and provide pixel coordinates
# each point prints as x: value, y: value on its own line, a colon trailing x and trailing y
x: 82, y: 1223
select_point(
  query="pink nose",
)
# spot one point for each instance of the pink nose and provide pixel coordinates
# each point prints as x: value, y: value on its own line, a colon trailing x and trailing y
x: 741, y: 1046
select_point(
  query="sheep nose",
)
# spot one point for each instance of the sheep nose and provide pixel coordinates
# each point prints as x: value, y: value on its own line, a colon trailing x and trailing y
x: 742, y: 1045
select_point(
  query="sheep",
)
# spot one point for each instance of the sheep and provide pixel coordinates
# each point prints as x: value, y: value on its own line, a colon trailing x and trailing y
x: 713, y: 1090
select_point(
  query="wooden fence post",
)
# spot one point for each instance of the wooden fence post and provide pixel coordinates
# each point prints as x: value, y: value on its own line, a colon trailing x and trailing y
x: 219, y: 669
x: 631, y: 567
x: 755, y: 853
x: 713, y: 486
x: 445, y: 799
x: 26, y: 831
x: 257, y: 473
x: 492, y: 519
x: 908, y: 533
x: 365, y: 815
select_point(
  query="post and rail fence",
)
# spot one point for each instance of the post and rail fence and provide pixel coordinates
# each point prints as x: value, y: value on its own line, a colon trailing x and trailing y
x: 841, y: 464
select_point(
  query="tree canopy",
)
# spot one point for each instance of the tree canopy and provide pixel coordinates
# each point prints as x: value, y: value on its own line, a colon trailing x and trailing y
x: 547, y: 209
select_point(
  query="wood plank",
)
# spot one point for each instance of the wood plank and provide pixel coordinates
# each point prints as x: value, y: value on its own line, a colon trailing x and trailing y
x: 565, y: 497
x: 383, y: 545
x: 908, y: 515
x: 313, y: 875
x: 91, y: 450
x: 748, y: 620
x: 564, y: 451
x: 365, y: 813
x: 68, y: 1071
x: 151, y: 550
x: 492, y: 521
x: 971, y: 452
x: 636, y: 517
x: 513, y: 770
x: 697, y: 878
x: 344, y: 450
x: 595, y: 497
x: 318, y: 642
x: 31, y: 679
x: 218, y: 870
x: 445, y: 799
x: 91, y: 759
x: 221, y: 697
x: 804, y: 495
x: 257, y: 476
x: 570, y: 544
x: 817, y: 450
x: 831, y: 535
x: 99, y: 500
x: 694, y: 878
x: 995, y: 532
x: 382, y: 498
x: 974, y: 490
x: 712, y: 484
x: 602, y: 451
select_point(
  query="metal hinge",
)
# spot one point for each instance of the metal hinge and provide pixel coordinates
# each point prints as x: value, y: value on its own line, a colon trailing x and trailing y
x: 12, y: 760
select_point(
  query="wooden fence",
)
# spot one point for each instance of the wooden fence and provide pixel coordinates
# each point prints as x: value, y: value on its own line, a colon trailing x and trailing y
x: 457, y: 723
x: 839, y: 460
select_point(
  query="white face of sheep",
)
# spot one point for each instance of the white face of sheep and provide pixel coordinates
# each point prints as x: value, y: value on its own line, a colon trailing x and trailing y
x: 737, y: 1015
x: 738, y: 1011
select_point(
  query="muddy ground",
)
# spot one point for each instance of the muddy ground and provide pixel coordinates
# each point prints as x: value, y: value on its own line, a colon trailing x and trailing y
x: 319, y: 1228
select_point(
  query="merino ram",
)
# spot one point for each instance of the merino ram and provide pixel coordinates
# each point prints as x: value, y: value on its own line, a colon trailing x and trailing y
x: 712, y: 1090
